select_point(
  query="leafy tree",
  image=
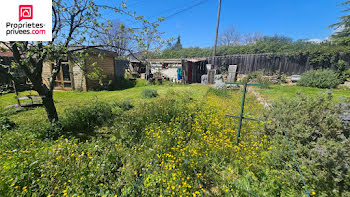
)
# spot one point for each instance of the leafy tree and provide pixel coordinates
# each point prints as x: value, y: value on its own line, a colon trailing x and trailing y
x: 342, y: 28
x: 75, y: 23
x: 277, y: 38
x: 176, y: 46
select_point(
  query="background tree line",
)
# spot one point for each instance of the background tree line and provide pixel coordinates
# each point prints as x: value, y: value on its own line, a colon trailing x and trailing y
x: 233, y: 42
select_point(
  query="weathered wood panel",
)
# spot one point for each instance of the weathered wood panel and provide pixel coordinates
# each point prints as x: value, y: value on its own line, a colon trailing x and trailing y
x: 270, y: 63
x: 119, y: 70
x: 106, y: 63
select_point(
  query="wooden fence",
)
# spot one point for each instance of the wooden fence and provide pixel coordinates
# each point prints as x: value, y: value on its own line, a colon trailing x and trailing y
x: 271, y: 63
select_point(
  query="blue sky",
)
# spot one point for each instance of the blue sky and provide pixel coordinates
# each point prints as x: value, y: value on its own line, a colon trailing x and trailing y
x: 299, y: 19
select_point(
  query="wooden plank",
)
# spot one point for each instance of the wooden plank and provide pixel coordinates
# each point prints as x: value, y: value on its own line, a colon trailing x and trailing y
x: 29, y: 97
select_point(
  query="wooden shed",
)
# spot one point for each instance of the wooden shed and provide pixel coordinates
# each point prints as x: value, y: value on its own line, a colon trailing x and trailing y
x: 193, y: 69
x: 72, y: 76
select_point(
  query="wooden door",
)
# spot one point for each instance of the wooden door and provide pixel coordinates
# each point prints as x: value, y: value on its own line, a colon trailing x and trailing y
x: 189, y: 72
x: 64, y: 79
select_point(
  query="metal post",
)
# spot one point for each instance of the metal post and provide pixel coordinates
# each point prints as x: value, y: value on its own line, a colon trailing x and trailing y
x: 241, y: 117
x: 217, y: 29
x: 242, y: 111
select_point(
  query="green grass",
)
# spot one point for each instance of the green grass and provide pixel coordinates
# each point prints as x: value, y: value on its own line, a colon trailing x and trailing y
x: 149, y: 145
x: 181, y: 136
x: 67, y: 99
x: 276, y: 92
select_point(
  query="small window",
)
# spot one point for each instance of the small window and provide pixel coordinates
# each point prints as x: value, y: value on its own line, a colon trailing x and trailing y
x: 67, y: 85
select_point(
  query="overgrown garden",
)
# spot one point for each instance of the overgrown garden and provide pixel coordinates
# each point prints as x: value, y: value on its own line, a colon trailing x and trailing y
x: 176, y: 142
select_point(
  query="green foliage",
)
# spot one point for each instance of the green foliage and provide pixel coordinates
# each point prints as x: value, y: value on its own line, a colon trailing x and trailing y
x: 277, y: 38
x: 130, y: 126
x: 319, y: 139
x: 218, y: 92
x: 283, y: 78
x: 347, y: 74
x: 257, y: 77
x: 321, y: 78
x: 141, y: 83
x: 6, y: 123
x: 323, y: 55
x: 271, y: 45
x: 82, y: 119
x: 277, y: 92
x: 342, y: 35
x: 74, y: 166
x: 121, y: 84
x: 124, y: 105
x: 341, y: 69
x: 149, y: 93
x: 176, y: 46
x: 179, y: 139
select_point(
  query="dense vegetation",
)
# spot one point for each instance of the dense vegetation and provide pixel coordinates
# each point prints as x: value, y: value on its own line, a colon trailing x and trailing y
x: 320, y: 136
x: 342, y: 33
x: 292, y: 48
x: 179, y: 143
x: 176, y: 143
x: 320, y: 79
x: 278, y: 92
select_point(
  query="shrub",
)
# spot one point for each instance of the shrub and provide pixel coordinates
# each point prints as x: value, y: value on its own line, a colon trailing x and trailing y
x: 341, y: 69
x: 320, y: 141
x: 219, y: 85
x: 83, y: 119
x: 257, y: 77
x: 219, y: 92
x: 347, y: 74
x: 124, y: 105
x: 321, y: 78
x: 149, y: 93
x: 121, y: 84
x: 6, y: 123
x: 141, y: 83
x: 132, y: 123
x: 283, y: 78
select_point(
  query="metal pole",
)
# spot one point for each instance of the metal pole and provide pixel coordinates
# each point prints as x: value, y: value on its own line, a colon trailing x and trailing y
x: 241, y: 116
x: 217, y: 29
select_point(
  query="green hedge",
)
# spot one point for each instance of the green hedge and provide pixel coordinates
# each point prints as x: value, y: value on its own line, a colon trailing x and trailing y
x: 321, y: 78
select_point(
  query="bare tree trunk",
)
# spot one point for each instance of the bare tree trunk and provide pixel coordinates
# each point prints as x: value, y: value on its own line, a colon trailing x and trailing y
x: 47, y: 98
x: 14, y: 88
x: 50, y: 107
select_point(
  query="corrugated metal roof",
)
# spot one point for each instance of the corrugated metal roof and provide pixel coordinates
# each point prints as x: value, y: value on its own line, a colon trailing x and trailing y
x: 173, y: 61
x: 196, y: 59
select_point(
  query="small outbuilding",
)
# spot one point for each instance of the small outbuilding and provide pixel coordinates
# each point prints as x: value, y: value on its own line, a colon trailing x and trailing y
x: 73, y: 76
x: 193, y: 69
